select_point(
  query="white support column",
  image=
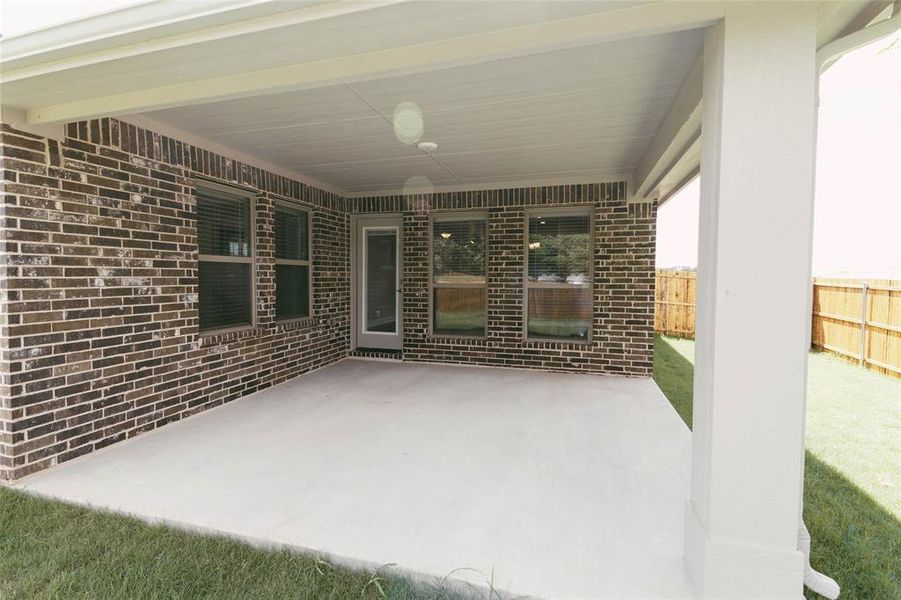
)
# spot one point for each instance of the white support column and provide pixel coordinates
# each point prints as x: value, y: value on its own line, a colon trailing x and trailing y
x: 756, y: 213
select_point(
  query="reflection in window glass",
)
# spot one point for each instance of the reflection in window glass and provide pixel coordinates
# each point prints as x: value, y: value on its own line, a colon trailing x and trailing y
x: 459, y: 253
x: 381, y: 281
x: 559, y: 249
x: 459, y: 311
x: 559, y: 295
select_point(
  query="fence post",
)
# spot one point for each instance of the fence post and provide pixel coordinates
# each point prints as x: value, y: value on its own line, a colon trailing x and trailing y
x: 813, y: 311
x: 665, y: 306
x: 864, y: 298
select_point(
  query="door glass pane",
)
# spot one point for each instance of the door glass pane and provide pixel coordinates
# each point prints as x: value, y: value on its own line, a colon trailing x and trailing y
x: 381, y: 281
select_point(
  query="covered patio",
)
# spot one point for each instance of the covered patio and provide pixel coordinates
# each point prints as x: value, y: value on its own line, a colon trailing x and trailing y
x: 204, y: 202
x: 556, y: 485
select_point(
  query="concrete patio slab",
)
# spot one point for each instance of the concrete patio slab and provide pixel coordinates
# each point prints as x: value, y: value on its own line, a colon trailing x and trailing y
x: 563, y: 486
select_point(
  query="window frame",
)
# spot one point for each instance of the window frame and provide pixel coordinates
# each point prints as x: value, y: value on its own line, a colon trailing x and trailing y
x: 294, y: 207
x: 451, y: 216
x: 572, y: 210
x: 251, y: 198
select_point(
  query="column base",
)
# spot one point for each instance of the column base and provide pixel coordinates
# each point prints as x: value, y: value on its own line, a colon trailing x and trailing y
x: 729, y: 569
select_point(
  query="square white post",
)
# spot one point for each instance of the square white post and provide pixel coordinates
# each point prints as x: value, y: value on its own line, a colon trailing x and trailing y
x: 756, y: 214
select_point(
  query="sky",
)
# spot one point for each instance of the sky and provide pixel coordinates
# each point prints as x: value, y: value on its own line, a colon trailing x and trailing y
x: 857, y: 206
x: 857, y: 214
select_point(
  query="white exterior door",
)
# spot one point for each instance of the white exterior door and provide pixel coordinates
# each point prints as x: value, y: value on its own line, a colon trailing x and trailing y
x: 378, y: 306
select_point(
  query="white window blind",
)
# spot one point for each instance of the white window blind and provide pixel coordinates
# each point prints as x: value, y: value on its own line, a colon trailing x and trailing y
x: 225, y: 268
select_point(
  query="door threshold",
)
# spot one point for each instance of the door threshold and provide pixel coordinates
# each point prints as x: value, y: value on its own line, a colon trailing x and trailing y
x: 376, y: 353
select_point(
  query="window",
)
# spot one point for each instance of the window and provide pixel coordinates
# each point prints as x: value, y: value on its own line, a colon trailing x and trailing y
x: 558, y: 275
x: 224, y: 236
x: 459, y: 294
x: 292, y: 262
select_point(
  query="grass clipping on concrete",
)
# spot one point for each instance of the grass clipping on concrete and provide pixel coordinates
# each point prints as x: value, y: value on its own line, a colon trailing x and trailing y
x: 51, y: 549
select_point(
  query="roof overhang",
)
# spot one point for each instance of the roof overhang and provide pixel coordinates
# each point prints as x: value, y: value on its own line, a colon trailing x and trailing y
x: 161, y: 55
x: 673, y: 159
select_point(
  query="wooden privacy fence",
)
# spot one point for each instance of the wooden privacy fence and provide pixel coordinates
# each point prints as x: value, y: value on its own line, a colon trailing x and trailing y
x: 856, y: 318
x: 859, y: 319
x: 674, y: 303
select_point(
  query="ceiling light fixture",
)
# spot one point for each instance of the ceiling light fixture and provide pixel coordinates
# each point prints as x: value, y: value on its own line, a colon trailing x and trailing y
x: 427, y: 146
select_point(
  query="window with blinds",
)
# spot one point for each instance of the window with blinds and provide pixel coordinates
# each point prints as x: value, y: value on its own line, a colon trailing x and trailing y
x: 558, y: 275
x: 225, y: 269
x: 293, y: 289
x: 459, y: 284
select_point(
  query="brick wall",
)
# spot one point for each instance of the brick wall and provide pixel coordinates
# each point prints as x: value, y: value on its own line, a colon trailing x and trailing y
x: 100, y: 322
x: 98, y: 308
x: 622, y: 337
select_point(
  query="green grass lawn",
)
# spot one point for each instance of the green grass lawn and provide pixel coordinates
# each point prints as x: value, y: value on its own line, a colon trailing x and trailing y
x: 852, y: 493
x: 55, y: 550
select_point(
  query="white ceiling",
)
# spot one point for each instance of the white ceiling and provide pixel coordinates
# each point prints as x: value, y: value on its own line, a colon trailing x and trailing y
x: 513, y: 93
x: 579, y: 114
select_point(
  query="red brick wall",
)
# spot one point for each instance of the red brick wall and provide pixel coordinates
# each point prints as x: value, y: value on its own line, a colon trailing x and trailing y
x: 622, y: 341
x: 100, y: 339
x: 99, y: 317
